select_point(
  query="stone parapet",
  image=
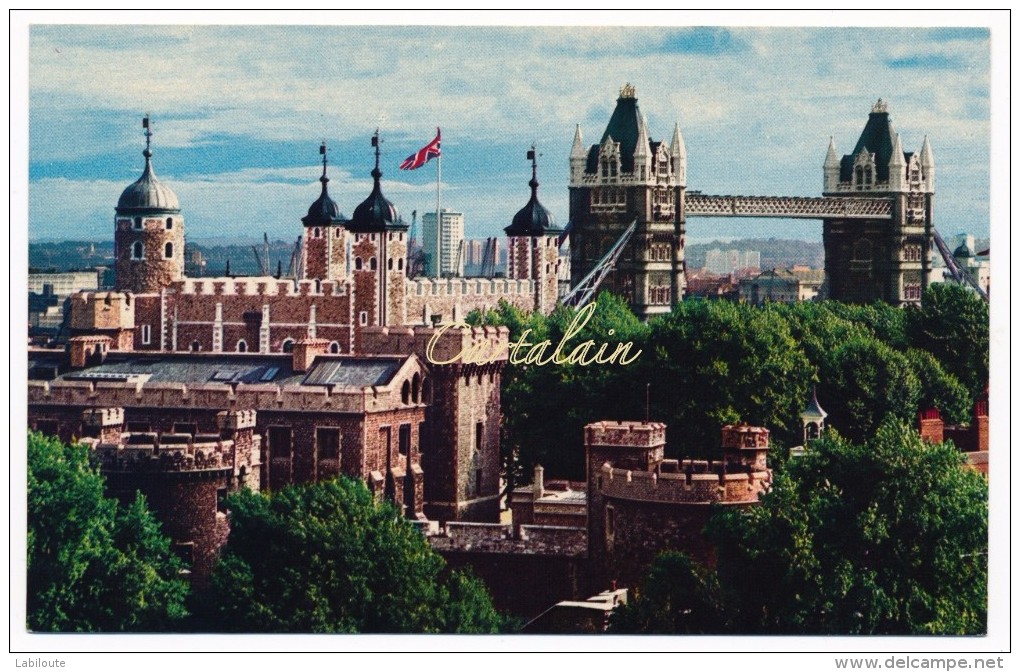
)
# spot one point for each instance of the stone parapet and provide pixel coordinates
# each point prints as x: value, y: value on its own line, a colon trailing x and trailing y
x: 625, y: 434
x: 689, y: 487
x: 498, y: 538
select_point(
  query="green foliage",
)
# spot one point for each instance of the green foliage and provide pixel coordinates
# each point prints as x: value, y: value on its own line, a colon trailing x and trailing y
x: 93, y: 566
x: 868, y: 381
x: 677, y: 597
x: 939, y: 388
x: 327, y: 558
x: 952, y: 324
x: 883, y: 537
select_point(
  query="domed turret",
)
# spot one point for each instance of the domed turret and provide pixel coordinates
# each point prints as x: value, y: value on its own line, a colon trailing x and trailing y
x: 376, y: 213
x: 533, y: 219
x: 148, y: 193
x: 324, y: 211
x: 149, y: 232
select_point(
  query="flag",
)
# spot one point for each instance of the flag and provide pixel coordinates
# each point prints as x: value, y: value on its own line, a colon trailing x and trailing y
x: 423, y: 155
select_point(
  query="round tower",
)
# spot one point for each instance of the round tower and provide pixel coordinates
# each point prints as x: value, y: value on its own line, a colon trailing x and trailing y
x: 533, y: 246
x: 149, y: 232
x: 324, y: 253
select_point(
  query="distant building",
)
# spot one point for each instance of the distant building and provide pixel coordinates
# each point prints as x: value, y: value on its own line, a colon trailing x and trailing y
x: 976, y: 264
x: 47, y: 295
x: 727, y: 261
x: 450, y: 239
x: 798, y: 283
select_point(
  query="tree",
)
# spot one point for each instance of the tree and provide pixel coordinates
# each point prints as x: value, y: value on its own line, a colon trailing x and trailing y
x: 952, y: 324
x: 884, y: 537
x: 93, y: 566
x: 326, y: 557
x: 677, y: 597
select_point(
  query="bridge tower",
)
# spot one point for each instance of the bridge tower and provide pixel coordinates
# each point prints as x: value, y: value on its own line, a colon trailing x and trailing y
x: 626, y: 178
x: 880, y: 259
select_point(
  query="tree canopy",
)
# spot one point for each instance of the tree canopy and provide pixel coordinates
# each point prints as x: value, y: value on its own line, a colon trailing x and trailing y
x: 887, y: 536
x: 93, y: 565
x: 326, y: 557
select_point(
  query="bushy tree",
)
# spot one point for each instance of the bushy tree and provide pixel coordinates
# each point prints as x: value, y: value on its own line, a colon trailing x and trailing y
x: 952, y: 324
x: 888, y: 536
x: 93, y: 566
x: 326, y: 557
x: 678, y: 596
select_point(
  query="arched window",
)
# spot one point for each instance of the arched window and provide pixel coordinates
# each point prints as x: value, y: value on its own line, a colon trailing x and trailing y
x: 168, y: 251
x: 138, y: 250
x: 337, y: 234
x: 400, y: 264
x: 334, y: 348
x: 195, y: 346
x: 415, y: 387
x: 316, y: 232
x: 288, y: 345
x: 373, y: 264
x: 138, y: 222
x: 405, y: 393
x: 169, y: 223
x: 242, y: 346
x: 357, y: 263
x: 389, y: 264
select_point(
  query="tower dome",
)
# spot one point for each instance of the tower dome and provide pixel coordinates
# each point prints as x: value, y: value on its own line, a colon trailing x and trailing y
x: 147, y: 193
x: 533, y: 219
x: 324, y: 211
x: 376, y: 213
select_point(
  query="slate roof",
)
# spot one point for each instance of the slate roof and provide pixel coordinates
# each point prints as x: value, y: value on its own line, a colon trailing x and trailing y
x: 623, y: 128
x: 192, y: 369
x: 879, y: 137
x: 147, y: 193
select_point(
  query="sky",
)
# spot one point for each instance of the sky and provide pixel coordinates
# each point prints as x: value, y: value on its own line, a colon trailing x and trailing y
x: 238, y: 113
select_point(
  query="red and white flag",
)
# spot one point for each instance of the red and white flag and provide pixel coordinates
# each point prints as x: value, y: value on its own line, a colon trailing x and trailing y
x: 423, y: 155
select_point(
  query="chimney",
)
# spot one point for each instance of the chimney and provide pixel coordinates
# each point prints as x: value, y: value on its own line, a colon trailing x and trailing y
x: 305, y: 352
x: 539, y: 484
x: 89, y: 350
x: 931, y: 426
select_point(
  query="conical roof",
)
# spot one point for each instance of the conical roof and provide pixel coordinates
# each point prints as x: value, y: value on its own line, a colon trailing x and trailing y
x: 814, y: 410
x: 878, y: 138
x: 624, y: 127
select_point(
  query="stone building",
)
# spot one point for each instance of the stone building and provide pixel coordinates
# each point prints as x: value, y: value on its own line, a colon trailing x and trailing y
x: 628, y: 178
x: 880, y: 259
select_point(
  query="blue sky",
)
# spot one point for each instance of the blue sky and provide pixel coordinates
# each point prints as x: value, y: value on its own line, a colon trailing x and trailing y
x: 239, y: 111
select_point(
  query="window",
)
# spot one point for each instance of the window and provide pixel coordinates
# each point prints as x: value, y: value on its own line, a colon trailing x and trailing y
x: 195, y: 346
x: 288, y: 345
x: 242, y: 346
x: 327, y: 440
x: 405, y: 393
x: 146, y: 334
x: 400, y: 264
x: 373, y: 264
x: 221, y: 500
x: 415, y: 387
x: 168, y: 251
x: 186, y: 428
x: 357, y: 263
x: 389, y: 264
x: 138, y: 223
x: 279, y: 441
x: 138, y: 250
x: 316, y: 232
x: 337, y: 233
x: 610, y: 522
x: 363, y: 318
x: 334, y: 348
x: 479, y: 432
x: 169, y: 223
x: 404, y: 439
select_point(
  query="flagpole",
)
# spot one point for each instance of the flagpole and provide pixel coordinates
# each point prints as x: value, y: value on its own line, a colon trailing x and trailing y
x: 439, y: 220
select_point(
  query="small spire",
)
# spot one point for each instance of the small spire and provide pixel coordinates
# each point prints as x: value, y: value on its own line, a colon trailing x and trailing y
x: 148, y: 138
x: 641, y: 149
x: 831, y: 158
x: 376, y: 173
x: 880, y: 107
x: 577, y: 151
x: 533, y: 157
x: 677, y: 147
x: 897, y: 154
x: 927, y: 157
x: 323, y: 179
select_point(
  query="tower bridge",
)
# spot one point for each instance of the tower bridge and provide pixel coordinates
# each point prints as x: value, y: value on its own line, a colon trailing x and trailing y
x: 876, y: 212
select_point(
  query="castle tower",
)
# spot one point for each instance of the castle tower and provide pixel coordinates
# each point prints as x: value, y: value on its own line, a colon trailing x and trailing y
x: 813, y: 418
x: 379, y: 253
x: 532, y: 246
x: 880, y: 259
x: 627, y: 177
x: 148, y: 232
x: 324, y: 253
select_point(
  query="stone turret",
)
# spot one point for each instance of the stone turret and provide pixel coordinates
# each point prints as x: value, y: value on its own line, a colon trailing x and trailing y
x: 831, y: 168
x: 928, y: 166
x: 678, y: 150
x: 897, y: 167
x: 578, y: 156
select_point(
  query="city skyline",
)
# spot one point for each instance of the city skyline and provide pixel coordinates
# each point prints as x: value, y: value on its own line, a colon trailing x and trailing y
x: 247, y: 162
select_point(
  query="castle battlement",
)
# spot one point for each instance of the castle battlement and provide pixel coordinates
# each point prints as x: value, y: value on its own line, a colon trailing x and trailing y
x: 625, y: 434
x: 259, y: 286
x: 695, y: 484
x: 470, y: 287
x: 149, y: 452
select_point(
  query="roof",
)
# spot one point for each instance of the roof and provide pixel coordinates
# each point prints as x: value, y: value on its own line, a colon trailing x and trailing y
x: 148, y: 193
x: 324, y: 211
x: 196, y: 369
x: 533, y: 219
x: 878, y: 137
x: 376, y: 213
x: 814, y: 409
x: 622, y: 128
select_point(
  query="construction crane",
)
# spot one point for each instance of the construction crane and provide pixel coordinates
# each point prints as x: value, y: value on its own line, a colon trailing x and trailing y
x: 262, y: 260
x: 488, y: 269
x: 960, y: 275
x: 294, y: 270
x: 583, y: 292
x: 459, y: 259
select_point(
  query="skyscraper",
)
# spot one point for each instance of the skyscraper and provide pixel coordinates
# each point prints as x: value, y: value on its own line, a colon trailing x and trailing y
x: 451, y: 235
